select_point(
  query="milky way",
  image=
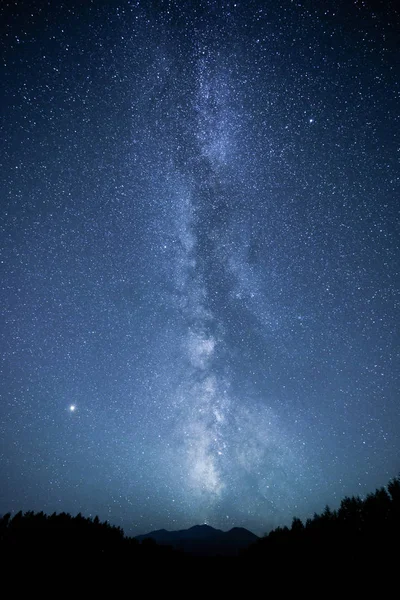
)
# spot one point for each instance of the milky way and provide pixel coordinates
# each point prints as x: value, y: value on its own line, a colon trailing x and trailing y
x: 199, y: 260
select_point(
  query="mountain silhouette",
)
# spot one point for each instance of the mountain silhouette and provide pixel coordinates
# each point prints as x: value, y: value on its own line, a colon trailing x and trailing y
x: 204, y: 540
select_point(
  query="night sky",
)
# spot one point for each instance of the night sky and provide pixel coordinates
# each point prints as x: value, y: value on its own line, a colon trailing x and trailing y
x: 199, y: 258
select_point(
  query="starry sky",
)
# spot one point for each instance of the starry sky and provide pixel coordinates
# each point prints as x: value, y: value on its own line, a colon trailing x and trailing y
x: 199, y: 258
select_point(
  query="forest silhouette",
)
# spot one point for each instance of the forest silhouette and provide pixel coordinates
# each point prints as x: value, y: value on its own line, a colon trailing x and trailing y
x: 360, y: 540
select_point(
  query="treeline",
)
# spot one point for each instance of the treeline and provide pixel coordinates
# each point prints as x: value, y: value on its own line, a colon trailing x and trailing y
x: 30, y: 532
x: 362, y: 533
x: 61, y: 537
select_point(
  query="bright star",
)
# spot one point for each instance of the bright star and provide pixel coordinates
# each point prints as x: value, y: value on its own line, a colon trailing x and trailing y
x: 72, y: 408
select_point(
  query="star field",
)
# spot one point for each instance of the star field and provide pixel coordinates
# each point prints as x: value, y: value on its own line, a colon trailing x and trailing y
x: 199, y: 259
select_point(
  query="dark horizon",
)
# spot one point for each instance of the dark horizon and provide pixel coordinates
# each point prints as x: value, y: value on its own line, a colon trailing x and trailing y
x: 360, y: 532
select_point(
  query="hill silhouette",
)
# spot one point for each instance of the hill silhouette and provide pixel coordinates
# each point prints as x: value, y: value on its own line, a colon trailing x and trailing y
x: 204, y: 540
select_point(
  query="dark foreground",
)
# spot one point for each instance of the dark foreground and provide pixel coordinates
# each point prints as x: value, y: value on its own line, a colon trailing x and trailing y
x: 352, y: 549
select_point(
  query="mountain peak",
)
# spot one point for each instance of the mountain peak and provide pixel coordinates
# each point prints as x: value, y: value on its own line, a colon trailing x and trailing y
x: 202, y: 527
x: 204, y: 539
